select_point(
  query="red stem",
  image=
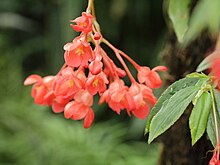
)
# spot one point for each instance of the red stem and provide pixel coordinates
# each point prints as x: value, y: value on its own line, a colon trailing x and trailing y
x: 116, y: 51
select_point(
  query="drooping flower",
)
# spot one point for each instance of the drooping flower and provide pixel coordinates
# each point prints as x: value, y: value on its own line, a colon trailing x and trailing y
x: 81, y: 108
x: 150, y: 77
x: 59, y: 104
x: 96, y: 83
x: 114, y: 95
x: 83, y: 23
x: 78, y: 52
x: 42, y: 89
x: 67, y: 84
x: 215, y: 159
x: 143, y: 96
x: 95, y: 67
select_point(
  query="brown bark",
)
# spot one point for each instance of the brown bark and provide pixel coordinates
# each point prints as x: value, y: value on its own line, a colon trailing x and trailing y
x: 177, y: 141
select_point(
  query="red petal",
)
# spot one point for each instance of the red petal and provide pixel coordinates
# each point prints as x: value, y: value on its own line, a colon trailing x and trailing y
x: 95, y: 67
x: 32, y: 79
x: 80, y: 113
x: 57, y: 108
x: 155, y: 81
x: 142, y: 112
x: 160, y: 68
x: 68, y: 110
x: 72, y: 59
x: 89, y: 118
x: 142, y: 74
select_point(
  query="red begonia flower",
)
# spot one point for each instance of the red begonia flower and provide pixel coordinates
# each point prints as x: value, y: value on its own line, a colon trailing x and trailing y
x: 95, y: 67
x: 41, y: 90
x: 114, y: 95
x: 83, y: 23
x: 66, y: 84
x: 142, y: 96
x: 215, y: 159
x: 80, y: 108
x: 77, y: 53
x: 150, y: 77
x: 96, y: 83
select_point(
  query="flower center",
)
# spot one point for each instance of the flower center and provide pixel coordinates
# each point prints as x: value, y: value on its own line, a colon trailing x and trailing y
x: 79, y: 51
x: 95, y: 83
x: 70, y: 83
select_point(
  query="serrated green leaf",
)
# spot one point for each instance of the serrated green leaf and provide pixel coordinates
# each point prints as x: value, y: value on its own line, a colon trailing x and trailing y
x: 198, y: 75
x: 211, y: 123
x: 171, y: 112
x: 178, y: 11
x: 199, y: 116
x: 167, y: 94
x: 205, y: 15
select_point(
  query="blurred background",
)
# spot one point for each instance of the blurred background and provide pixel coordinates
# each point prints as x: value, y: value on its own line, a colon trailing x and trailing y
x: 32, y: 35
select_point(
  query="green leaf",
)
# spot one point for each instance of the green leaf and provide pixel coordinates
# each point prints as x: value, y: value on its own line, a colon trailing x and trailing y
x: 205, y: 64
x: 198, y: 75
x: 171, y: 111
x: 167, y: 94
x: 178, y: 11
x: 199, y: 116
x: 205, y: 15
x: 211, y: 122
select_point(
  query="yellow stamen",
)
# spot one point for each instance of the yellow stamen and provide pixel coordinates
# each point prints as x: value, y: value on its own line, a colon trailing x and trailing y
x: 95, y: 83
x: 70, y: 83
x: 79, y: 51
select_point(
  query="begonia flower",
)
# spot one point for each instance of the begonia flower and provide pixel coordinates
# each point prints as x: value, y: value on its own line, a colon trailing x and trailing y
x: 150, y: 77
x: 83, y: 23
x: 77, y: 53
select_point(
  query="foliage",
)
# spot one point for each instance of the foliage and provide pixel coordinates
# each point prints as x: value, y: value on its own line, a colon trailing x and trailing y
x: 41, y: 138
x: 205, y: 15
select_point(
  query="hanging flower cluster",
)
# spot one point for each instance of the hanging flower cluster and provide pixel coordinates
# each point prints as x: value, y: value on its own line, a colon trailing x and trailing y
x: 89, y: 71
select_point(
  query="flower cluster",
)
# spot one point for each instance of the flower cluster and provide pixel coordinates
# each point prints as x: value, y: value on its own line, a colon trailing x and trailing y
x: 89, y: 71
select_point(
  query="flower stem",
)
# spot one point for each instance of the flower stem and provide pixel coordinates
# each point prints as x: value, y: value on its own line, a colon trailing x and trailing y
x: 215, y: 120
x: 217, y: 46
x: 129, y: 59
x: 116, y: 51
x: 90, y: 7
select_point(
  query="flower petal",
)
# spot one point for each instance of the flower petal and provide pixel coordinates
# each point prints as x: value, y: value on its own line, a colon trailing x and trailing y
x: 34, y: 78
x: 89, y: 118
x: 57, y: 108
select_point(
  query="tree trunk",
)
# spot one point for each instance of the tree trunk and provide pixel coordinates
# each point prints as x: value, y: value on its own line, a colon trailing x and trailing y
x: 177, y: 141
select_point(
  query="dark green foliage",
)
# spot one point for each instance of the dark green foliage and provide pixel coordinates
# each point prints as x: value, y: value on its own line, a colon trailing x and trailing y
x: 167, y: 94
x: 31, y: 135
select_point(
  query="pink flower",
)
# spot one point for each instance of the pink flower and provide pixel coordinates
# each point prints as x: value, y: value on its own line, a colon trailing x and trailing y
x: 95, y: 67
x: 96, y: 83
x: 41, y: 91
x: 215, y: 159
x: 81, y: 108
x: 59, y: 104
x: 78, y: 52
x: 66, y: 84
x: 114, y: 95
x: 83, y: 23
x: 150, y: 77
x: 142, y: 96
